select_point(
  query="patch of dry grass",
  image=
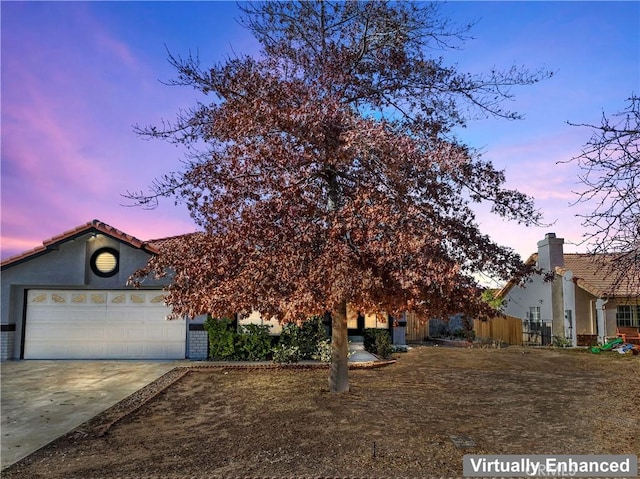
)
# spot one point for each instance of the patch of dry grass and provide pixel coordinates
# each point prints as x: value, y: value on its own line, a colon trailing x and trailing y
x: 395, y: 421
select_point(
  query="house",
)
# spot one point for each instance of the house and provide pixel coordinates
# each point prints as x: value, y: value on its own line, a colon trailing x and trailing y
x: 69, y: 299
x: 581, y: 304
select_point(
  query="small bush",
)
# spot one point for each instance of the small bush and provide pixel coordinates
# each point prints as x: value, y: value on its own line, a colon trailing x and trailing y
x: 253, y: 343
x: 286, y: 354
x: 222, y: 339
x: 323, y: 352
x: 309, y: 335
x: 287, y: 343
x: 298, y: 343
x: 378, y: 342
x: 561, y: 342
x: 466, y: 334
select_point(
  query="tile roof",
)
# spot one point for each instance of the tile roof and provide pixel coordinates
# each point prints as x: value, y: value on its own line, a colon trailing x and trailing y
x: 94, y: 226
x: 593, y: 273
x: 597, y: 275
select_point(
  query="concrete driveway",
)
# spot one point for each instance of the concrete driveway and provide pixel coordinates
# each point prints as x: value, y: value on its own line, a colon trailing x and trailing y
x: 42, y: 400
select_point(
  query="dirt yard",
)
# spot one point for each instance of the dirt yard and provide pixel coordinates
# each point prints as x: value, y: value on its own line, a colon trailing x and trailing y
x: 399, y: 420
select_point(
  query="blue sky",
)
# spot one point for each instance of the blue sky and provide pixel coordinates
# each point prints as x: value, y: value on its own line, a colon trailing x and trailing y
x: 76, y: 76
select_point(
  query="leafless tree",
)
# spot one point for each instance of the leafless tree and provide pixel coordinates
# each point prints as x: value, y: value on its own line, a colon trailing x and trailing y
x: 610, y: 172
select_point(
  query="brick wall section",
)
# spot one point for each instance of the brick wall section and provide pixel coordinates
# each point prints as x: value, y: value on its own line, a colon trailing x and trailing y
x: 198, y: 344
x: 6, y: 345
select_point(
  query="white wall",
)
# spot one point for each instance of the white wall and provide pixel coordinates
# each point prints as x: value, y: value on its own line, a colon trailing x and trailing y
x: 536, y: 292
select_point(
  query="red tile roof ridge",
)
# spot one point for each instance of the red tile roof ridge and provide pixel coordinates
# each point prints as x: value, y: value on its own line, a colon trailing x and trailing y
x: 591, y: 273
x: 86, y: 227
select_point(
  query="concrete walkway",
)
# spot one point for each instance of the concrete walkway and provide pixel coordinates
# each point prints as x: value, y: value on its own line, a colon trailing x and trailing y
x: 42, y: 400
x: 359, y: 354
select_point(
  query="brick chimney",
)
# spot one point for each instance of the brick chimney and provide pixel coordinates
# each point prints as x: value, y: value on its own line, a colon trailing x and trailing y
x: 550, y: 253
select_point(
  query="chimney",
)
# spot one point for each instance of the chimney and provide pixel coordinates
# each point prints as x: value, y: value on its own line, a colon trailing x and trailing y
x: 550, y: 252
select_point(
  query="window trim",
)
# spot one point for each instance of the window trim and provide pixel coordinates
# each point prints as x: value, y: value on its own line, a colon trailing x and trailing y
x: 630, y: 317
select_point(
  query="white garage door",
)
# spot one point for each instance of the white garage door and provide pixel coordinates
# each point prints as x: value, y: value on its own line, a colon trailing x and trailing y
x: 64, y: 324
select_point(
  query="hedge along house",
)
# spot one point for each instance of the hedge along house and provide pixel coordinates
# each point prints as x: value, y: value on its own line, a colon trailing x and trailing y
x: 582, y: 303
x: 69, y: 299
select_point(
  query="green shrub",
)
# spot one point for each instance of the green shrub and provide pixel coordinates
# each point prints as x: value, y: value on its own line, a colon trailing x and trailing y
x: 378, y: 342
x: 222, y: 338
x: 253, y: 343
x: 286, y: 354
x: 298, y: 343
x: 309, y: 335
x: 561, y: 342
x: 369, y: 340
x: 323, y: 351
x: 289, y: 335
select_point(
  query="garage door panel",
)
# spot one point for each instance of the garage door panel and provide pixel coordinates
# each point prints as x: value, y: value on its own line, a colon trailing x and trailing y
x: 134, y: 334
x: 50, y: 332
x: 101, y: 325
x: 129, y: 350
x: 114, y: 334
x: 159, y: 334
x: 54, y: 349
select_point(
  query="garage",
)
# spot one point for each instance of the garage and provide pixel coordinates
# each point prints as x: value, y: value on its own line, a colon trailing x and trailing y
x: 101, y: 324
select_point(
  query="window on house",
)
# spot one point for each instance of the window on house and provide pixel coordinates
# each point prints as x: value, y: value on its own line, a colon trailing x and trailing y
x: 628, y: 315
x: 534, y: 313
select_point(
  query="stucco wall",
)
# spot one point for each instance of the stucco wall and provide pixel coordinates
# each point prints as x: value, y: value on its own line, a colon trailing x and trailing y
x: 536, y: 292
x: 585, y: 312
x: 610, y: 310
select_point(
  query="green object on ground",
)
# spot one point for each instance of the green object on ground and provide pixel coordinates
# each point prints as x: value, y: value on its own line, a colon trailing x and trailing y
x: 606, y: 346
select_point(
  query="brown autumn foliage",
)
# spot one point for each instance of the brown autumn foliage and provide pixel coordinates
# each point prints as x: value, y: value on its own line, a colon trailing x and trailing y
x: 325, y: 171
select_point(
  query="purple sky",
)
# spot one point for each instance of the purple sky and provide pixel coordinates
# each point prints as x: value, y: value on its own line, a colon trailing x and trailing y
x: 76, y: 76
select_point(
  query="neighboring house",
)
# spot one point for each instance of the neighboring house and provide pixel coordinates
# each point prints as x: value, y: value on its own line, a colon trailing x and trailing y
x: 69, y: 299
x: 582, y: 303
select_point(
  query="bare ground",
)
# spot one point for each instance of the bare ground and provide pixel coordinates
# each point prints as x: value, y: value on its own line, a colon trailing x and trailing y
x: 400, y: 420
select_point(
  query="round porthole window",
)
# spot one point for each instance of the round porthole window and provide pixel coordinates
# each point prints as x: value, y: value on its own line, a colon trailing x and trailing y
x: 104, y: 262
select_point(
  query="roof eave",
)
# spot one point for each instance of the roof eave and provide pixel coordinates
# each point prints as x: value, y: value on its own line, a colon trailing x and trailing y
x: 94, y: 226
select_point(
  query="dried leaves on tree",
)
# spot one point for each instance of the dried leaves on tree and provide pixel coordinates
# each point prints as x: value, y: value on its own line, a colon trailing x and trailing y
x: 325, y: 170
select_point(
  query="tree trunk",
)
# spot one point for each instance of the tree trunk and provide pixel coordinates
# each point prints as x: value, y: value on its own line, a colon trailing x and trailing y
x: 339, y: 372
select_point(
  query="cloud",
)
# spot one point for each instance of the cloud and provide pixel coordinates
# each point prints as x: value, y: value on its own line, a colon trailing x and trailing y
x: 70, y: 96
x: 117, y: 49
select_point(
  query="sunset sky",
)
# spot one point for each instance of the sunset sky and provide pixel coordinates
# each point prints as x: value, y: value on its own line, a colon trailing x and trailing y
x: 76, y: 77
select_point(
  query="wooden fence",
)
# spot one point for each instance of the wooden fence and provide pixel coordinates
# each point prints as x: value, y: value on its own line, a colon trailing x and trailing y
x: 507, y: 329
x: 417, y: 328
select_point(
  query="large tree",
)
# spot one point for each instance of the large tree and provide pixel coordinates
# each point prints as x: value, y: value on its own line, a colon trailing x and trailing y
x: 325, y: 172
x: 610, y: 175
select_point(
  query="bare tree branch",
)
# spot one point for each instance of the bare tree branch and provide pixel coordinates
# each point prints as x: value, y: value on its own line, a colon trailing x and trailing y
x: 610, y: 173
